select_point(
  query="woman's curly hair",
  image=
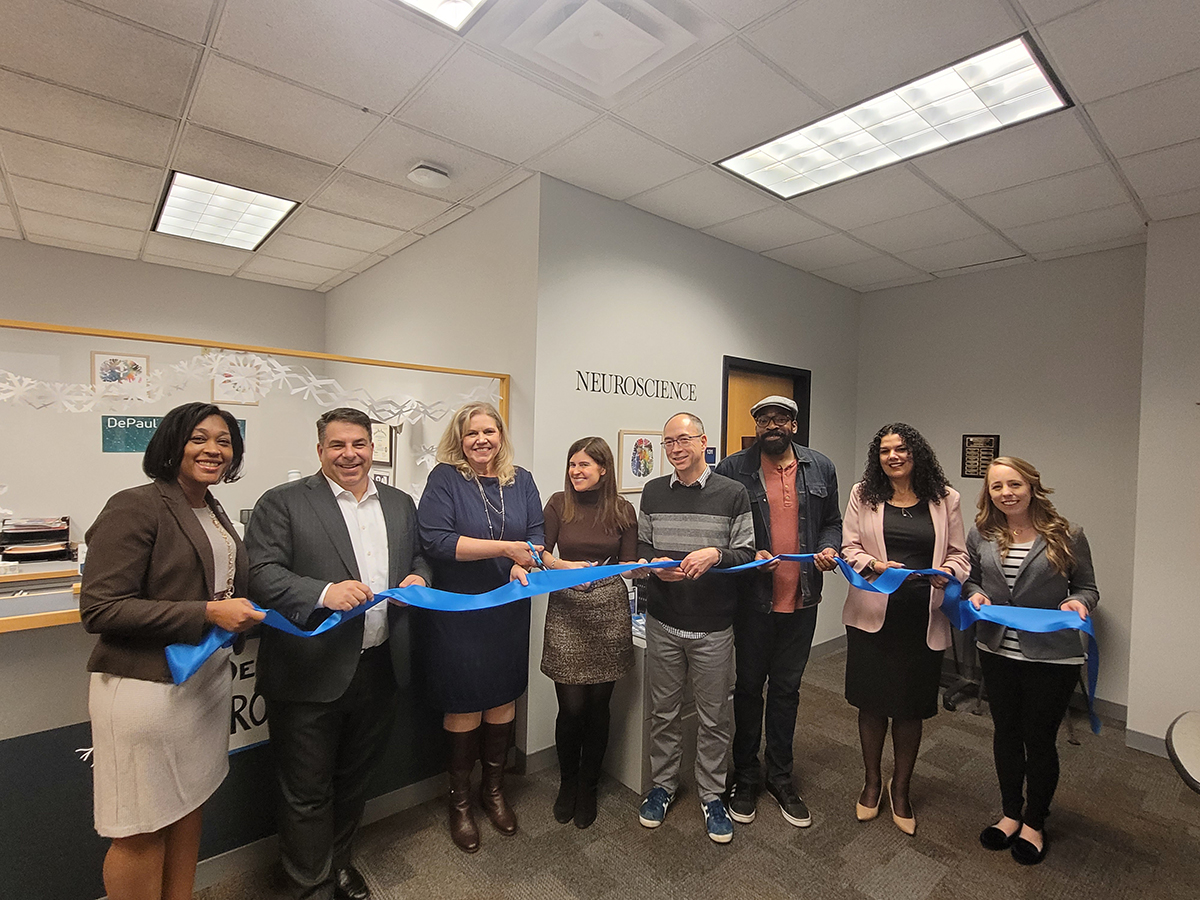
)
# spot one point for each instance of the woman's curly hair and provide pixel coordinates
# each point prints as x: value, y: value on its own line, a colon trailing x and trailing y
x: 928, y: 480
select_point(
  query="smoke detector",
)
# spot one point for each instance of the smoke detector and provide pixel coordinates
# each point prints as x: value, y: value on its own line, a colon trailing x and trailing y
x: 428, y: 176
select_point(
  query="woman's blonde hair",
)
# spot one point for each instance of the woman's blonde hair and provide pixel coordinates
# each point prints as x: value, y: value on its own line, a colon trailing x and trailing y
x: 992, y: 523
x: 450, y: 447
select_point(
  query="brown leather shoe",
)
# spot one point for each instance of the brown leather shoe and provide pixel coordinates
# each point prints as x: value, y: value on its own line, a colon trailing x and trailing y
x: 464, y: 750
x: 491, y: 789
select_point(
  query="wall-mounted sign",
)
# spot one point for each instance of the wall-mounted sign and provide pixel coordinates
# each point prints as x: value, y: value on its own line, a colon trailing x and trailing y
x: 634, y: 386
x: 131, y: 434
x: 978, y: 451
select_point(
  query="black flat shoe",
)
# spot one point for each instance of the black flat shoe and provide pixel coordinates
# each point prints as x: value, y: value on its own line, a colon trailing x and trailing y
x: 992, y: 838
x: 350, y: 885
x: 1027, y: 854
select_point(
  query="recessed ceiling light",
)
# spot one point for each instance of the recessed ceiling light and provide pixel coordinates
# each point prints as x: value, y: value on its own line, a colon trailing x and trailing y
x: 986, y: 92
x: 454, y: 13
x: 219, y: 213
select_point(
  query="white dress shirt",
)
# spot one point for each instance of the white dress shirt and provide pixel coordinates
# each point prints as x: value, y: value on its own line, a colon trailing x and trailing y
x: 368, y: 535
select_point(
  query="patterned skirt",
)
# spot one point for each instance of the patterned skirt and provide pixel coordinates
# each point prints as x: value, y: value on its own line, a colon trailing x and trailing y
x: 589, y: 637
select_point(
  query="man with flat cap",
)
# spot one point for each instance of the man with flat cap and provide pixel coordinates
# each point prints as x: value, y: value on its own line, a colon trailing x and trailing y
x: 794, y: 503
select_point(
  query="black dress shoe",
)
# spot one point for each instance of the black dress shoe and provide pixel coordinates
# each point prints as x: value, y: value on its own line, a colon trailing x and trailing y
x: 1027, y: 854
x: 348, y: 884
x: 993, y: 838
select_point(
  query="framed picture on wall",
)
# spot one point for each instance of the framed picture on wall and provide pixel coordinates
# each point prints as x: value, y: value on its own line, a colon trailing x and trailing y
x: 638, y: 459
x: 381, y: 437
x: 382, y: 477
x: 120, y: 373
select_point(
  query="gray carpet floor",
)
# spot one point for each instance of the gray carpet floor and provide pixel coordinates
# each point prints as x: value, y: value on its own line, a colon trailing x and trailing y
x: 1123, y: 826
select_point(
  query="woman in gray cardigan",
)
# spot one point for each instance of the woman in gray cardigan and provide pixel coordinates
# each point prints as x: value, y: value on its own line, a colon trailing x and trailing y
x: 1023, y: 553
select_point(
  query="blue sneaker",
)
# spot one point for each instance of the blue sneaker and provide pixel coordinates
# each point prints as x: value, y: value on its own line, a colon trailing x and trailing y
x: 716, y: 820
x: 654, y: 807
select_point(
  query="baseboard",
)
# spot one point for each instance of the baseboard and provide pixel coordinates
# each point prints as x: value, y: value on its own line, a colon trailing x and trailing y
x: 528, y: 764
x: 1147, y: 743
x: 264, y: 853
x: 826, y: 648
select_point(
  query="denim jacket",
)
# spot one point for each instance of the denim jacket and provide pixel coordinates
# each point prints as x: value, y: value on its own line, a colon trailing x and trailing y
x: 817, y: 488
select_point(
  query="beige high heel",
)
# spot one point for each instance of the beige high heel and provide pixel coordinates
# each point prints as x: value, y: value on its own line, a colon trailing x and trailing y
x: 907, y: 825
x: 867, y: 813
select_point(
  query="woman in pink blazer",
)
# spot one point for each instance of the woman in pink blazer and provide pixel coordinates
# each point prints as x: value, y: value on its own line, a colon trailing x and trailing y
x: 902, y: 514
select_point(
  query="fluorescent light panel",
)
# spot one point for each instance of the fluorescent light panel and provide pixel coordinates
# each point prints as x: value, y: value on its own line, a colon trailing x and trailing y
x: 986, y: 92
x: 219, y: 213
x: 454, y: 13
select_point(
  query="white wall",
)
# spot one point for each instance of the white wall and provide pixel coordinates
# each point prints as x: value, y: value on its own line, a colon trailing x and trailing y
x: 623, y: 291
x: 1047, y: 355
x: 1164, y: 674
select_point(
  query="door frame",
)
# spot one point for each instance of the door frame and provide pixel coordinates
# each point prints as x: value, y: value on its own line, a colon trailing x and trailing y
x: 801, y: 391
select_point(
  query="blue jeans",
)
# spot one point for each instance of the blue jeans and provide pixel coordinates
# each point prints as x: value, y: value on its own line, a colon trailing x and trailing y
x: 772, y: 650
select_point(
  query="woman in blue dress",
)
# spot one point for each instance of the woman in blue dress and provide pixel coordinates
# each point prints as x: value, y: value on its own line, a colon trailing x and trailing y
x: 479, y: 514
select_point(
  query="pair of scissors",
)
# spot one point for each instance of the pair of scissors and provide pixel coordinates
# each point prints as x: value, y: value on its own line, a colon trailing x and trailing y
x: 537, y: 557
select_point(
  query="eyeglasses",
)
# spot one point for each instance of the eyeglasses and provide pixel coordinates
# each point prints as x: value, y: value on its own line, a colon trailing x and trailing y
x: 684, y: 440
x: 766, y: 421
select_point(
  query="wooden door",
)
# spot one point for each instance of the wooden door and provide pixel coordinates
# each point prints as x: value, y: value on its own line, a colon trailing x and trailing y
x: 744, y: 390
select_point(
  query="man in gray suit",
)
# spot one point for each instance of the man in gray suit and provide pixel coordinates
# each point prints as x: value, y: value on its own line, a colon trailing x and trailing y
x: 329, y: 542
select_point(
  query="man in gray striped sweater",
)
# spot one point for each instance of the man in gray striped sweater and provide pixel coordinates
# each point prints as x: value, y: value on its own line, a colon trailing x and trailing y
x: 702, y: 519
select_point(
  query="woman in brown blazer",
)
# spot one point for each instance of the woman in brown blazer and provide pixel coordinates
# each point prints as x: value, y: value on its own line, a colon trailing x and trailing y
x: 164, y: 566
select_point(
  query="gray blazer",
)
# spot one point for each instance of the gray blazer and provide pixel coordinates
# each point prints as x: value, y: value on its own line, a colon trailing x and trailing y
x: 298, y: 543
x: 1038, y: 585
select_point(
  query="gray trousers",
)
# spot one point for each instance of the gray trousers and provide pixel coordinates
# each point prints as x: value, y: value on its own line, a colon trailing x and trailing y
x: 709, y: 661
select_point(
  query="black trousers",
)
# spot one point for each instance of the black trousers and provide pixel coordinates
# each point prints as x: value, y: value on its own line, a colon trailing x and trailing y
x: 325, y: 754
x: 1028, y: 701
x: 771, y: 649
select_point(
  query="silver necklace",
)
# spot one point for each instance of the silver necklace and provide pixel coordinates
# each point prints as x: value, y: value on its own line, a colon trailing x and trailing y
x: 229, y: 549
x: 488, y: 507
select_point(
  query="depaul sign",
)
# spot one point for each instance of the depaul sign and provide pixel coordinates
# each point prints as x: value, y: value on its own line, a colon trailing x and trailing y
x: 131, y: 434
x: 634, y: 386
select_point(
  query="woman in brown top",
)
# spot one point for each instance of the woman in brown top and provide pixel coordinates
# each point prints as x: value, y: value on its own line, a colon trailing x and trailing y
x: 588, y: 643
x: 165, y: 566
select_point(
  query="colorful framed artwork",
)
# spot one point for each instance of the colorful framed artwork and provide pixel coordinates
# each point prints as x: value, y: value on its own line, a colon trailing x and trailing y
x: 381, y: 437
x: 120, y: 373
x: 638, y: 459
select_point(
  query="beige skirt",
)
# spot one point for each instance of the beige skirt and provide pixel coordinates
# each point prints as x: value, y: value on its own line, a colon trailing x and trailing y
x: 159, y: 750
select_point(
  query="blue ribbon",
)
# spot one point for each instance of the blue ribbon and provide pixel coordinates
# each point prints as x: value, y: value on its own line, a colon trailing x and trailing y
x: 185, y: 660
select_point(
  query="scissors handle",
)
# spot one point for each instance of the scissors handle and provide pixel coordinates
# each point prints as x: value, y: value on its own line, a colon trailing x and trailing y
x: 537, y: 557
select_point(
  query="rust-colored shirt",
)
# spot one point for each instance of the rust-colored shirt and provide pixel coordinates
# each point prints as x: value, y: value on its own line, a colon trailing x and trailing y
x: 780, y: 482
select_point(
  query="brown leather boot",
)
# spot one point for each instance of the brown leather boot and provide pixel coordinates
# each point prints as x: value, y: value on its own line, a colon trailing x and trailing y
x: 464, y: 750
x: 491, y: 790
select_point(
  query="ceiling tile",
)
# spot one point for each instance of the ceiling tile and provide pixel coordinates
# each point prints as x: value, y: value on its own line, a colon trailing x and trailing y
x: 1129, y: 241
x: 501, y: 186
x: 614, y: 161
x: 1092, y: 188
x: 702, y: 199
x: 310, y: 41
x: 740, y: 13
x: 361, y: 198
x: 280, y: 280
x: 477, y: 102
x: 1154, y: 116
x: 327, y: 228
x: 955, y: 254
x: 369, y: 260
x: 1082, y: 229
x: 1114, y: 45
x: 1171, y: 206
x: 874, y: 197
x: 1164, y: 171
x: 823, y: 253
x: 8, y: 224
x: 82, y: 246
x: 1042, y: 11
x: 333, y: 282
x: 1026, y: 152
x: 169, y: 248
x: 726, y: 101
x: 237, y: 100
x: 439, y: 222
x: 220, y: 157
x: 402, y: 242
x: 44, y: 110
x: 187, y: 264
x: 40, y: 224
x: 76, y: 204
x: 870, y: 272
x: 153, y: 72
x: 394, y: 150
x: 187, y: 19
x: 776, y: 226
x: 920, y: 229
x: 895, y: 283
x: 46, y: 161
x: 849, y: 52
x: 297, y: 249
x: 305, y: 273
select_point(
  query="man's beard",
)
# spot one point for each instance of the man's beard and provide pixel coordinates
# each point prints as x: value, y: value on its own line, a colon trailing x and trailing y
x: 774, y: 442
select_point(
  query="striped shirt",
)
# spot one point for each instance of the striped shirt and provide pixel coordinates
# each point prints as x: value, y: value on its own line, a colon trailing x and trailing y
x: 1010, y: 643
